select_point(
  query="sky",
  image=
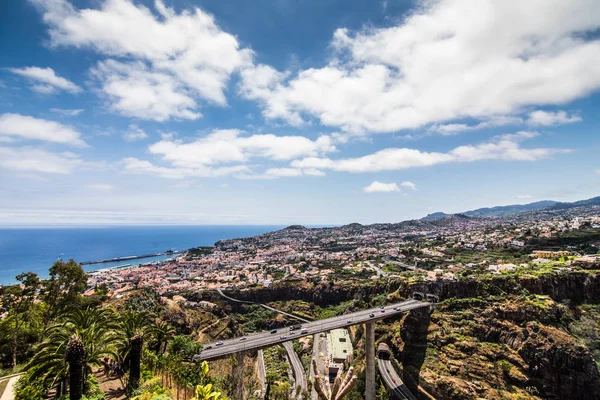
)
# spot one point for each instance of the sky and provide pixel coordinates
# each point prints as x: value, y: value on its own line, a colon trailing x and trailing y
x: 314, y: 112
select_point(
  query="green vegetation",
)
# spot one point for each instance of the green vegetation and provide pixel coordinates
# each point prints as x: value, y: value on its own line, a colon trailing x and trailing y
x: 64, y: 341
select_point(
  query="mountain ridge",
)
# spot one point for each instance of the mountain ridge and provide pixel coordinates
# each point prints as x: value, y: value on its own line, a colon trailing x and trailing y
x: 513, y: 209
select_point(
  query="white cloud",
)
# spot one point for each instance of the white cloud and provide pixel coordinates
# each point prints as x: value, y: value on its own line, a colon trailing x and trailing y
x: 135, y: 166
x: 448, y: 60
x: 409, y: 185
x: 598, y: 171
x: 16, y: 126
x: 548, y: 118
x: 66, y: 112
x: 230, y: 146
x: 290, y: 172
x: 135, y: 90
x: 46, y: 80
x: 524, y: 197
x: 29, y: 159
x: 504, y: 147
x: 227, y: 152
x: 161, y: 61
x: 134, y: 133
x: 379, y: 187
x: 100, y: 186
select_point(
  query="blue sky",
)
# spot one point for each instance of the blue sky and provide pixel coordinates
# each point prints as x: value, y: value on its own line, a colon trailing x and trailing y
x: 281, y: 111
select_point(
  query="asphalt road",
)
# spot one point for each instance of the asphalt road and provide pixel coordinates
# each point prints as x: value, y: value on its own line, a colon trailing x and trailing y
x: 392, y: 380
x: 267, y: 339
x: 298, y: 368
x: 409, y: 267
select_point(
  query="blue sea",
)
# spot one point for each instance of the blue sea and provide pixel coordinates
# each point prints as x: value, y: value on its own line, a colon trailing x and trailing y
x: 36, y: 249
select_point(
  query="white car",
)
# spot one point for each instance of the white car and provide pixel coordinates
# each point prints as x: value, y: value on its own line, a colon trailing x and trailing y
x: 219, y: 343
x: 282, y: 337
x: 243, y: 338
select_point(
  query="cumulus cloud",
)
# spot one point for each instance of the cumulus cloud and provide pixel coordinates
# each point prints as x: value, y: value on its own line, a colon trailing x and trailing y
x: 448, y: 60
x: 227, y: 152
x: 29, y: 159
x: 66, y: 112
x: 46, y: 80
x: 504, y: 147
x: 229, y: 146
x: 16, y: 126
x: 409, y: 185
x: 548, y: 118
x: 159, y: 63
x: 134, y: 133
x: 380, y: 187
x: 100, y: 186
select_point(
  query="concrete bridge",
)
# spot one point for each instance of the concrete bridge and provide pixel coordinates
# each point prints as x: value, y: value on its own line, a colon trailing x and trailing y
x: 261, y: 340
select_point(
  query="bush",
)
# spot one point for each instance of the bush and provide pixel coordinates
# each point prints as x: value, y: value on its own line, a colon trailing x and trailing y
x: 29, y: 389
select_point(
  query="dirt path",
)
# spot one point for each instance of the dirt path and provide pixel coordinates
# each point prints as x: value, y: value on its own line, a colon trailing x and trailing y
x: 111, y: 386
x: 9, y: 391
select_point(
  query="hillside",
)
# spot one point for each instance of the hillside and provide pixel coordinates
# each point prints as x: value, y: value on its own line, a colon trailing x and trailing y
x: 503, y: 211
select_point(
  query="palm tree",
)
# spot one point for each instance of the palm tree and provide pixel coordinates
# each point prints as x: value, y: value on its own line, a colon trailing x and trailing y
x: 89, y: 329
x: 162, y: 332
x: 75, y: 356
x: 135, y: 327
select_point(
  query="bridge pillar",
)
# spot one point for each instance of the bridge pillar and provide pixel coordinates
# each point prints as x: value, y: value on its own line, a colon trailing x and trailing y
x: 238, y: 376
x: 370, y: 355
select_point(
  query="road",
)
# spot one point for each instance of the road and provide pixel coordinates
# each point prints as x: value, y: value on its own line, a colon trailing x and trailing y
x: 266, y: 339
x: 392, y: 380
x: 319, y: 354
x: 298, y: 368
x: 409, y: 267
x: 380, y: 272
x: 262, y: 372
x: 262, y: 305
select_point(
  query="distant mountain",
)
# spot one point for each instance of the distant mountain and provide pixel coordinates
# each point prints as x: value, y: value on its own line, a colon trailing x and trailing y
x: 594, y: 201
x: 500, y: 211
x: 434, y: 216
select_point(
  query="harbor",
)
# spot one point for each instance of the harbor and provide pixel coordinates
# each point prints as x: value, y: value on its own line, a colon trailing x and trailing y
x: 128, y: 258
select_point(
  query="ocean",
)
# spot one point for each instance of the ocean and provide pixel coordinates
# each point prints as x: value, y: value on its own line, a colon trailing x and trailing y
x: 36, y: 249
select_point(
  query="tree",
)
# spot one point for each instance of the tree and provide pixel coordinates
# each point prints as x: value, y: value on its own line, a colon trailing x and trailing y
x: 67, y: 281
x: 95, y: 329
x: 162, y: 333
x: 135, y: 326
x: 75, y: 356
x: 185, y: 346
x: 18, y: 300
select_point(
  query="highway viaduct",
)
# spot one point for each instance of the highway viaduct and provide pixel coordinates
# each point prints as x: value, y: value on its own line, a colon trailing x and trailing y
x: 258, y: 341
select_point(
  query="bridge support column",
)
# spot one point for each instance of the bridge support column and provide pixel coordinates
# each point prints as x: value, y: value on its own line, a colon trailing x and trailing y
x: 370, y: 355
x: 238, y: 376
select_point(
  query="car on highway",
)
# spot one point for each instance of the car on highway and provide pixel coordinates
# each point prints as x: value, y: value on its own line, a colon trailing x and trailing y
x: 393, y: 380
x: 396, y: 308
x: 243, y: 338
x: 371, y: 315
x: 382, y: 311
x: 208, y: 348
x: 382, y: 307
x: 282, y: 337
x: 304, y: 331
x: 292, y: 333
x: 274, y: 331
x: 219, y: 343
x: 349, y: 321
